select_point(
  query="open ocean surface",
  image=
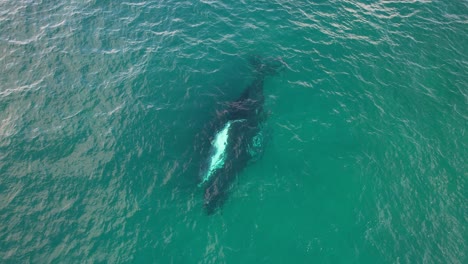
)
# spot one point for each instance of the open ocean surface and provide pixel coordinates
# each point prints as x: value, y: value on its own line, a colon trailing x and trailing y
x: 101, y: 103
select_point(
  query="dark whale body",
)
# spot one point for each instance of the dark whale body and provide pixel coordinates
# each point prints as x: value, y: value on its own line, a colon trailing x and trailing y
x: 237, y: 137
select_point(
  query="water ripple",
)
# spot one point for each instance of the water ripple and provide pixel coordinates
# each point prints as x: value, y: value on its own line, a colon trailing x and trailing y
x: 102, y: 104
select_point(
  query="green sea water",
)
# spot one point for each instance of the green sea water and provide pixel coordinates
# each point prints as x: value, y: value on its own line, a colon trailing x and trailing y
x: 102, y: 104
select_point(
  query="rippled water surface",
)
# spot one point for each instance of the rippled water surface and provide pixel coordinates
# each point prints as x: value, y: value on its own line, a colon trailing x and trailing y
x: 102, y: 104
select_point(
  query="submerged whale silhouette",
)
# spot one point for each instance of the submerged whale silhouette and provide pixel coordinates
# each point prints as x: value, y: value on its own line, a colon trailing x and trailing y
x: 236, y: 138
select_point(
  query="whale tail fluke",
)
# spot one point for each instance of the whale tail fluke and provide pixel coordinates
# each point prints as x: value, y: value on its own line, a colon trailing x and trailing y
x: 267, y: 66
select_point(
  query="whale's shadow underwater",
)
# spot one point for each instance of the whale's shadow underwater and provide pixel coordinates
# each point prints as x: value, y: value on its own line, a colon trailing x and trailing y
x: 235, y: 136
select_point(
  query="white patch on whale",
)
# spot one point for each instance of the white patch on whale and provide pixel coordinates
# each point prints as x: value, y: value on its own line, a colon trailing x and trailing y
x: 219, y: 145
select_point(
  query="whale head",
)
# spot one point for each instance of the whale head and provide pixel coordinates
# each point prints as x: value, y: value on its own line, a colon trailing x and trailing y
x: 215, y: 196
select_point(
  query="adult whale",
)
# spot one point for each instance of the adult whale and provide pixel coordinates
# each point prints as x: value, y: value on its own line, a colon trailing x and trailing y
x: 236, y: 136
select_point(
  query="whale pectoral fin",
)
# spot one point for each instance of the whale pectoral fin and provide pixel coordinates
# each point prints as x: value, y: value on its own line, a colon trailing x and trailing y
x: 255, y: 147
x: 258, y: 143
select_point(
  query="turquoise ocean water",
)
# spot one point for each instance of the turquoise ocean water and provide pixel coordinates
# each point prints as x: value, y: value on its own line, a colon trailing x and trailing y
x: 365, y: 160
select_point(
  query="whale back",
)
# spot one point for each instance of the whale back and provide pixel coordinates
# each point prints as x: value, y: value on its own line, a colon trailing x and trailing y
x: 238, y: 138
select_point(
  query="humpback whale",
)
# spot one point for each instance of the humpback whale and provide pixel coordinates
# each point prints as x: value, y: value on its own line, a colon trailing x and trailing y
x: 236, y: 136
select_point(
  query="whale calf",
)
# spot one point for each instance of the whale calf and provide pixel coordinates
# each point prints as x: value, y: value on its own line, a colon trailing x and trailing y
x: 236, y: 137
